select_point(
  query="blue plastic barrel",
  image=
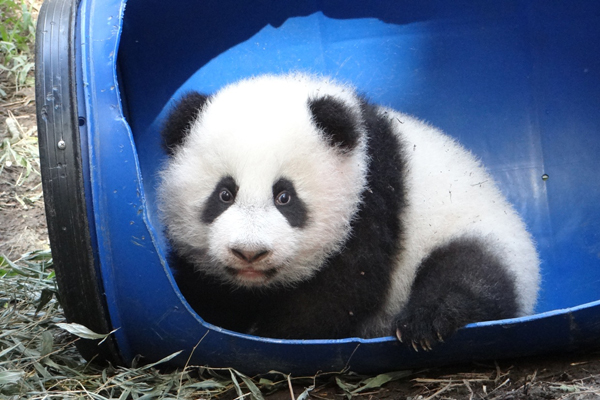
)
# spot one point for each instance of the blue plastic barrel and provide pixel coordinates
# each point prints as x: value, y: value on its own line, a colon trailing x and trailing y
x: 517, y: 82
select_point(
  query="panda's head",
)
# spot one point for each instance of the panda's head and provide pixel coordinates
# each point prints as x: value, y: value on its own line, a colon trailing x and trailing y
x: 264, y: 177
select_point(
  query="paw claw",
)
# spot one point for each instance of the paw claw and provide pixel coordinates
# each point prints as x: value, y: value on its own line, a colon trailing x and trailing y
x: 440, y: 338
x: 426, y: 345
x: 399, y: 335
x: 414, y: 346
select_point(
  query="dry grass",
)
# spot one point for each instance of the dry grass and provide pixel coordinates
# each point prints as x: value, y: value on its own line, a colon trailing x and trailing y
x: 39, y: 360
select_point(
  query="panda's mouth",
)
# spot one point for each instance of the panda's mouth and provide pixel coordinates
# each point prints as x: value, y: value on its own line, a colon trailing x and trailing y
x: 252, y: 275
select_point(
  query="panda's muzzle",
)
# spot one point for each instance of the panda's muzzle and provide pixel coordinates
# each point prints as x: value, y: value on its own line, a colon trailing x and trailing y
x: 250, y: 256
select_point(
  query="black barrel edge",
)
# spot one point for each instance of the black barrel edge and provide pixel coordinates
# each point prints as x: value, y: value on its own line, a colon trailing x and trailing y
x: 79, y: 281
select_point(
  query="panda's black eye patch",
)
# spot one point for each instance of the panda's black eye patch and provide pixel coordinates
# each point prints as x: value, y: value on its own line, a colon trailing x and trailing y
x: 221, y: 198
x: 289, y: 204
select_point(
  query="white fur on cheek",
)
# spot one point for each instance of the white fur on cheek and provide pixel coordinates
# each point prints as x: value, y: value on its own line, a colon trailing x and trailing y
x: 186, y: 183
x: 332, y: 189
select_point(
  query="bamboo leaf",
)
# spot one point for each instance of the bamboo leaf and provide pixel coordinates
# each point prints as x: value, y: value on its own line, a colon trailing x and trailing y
x: 81, y: 331
x: 7, y: 377
x: 304, y: 395
x: 346, y: 387
x: 238, y: 389
x: 8, y: 350
x: 162, y: 360
x: 254, y: 390
x: 47, y: 343
x: 380, y: 380
x: 45, y: 298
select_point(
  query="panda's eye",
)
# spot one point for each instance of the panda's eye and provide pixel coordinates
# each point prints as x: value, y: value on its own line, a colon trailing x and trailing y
x: 283, y: 198
x: 225, y: 196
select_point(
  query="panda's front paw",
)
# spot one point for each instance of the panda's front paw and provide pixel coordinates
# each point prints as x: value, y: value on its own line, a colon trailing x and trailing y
x: 422, y: 331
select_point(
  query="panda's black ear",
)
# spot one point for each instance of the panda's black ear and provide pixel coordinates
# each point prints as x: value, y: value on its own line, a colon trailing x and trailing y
x: 336, y: 120
x: 181, y: 116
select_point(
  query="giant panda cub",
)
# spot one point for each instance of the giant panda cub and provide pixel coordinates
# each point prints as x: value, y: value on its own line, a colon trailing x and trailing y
x: 296, y: 209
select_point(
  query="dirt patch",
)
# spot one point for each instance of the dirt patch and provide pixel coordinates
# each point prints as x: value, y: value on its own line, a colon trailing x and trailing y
x: 22, y: 221
x: 22, y: 217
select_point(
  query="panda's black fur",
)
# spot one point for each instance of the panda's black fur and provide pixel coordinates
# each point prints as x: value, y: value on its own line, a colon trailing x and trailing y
x: 458, y: 282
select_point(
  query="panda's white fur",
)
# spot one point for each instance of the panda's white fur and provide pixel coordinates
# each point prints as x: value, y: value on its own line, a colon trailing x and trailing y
x: 260, y: 130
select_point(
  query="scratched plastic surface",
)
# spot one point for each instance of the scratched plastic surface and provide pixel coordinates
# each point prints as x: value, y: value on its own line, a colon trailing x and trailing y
x: 517, y: 82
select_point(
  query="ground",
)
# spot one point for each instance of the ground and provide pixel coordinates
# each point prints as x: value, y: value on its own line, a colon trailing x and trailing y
x: 22, y: 218
x: 23, y: 229
x: 557, y: 377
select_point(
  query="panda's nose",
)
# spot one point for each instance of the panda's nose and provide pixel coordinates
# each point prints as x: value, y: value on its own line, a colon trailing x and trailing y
x: 250, y: 256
